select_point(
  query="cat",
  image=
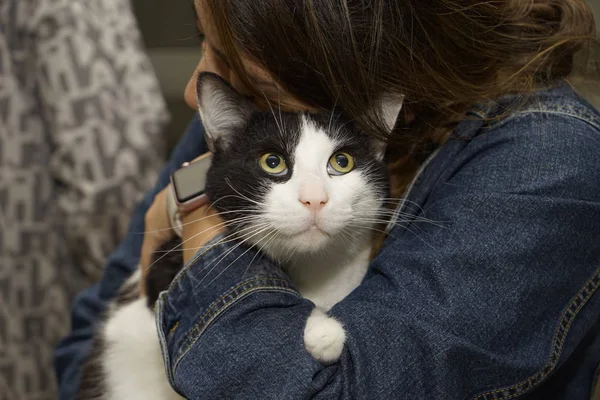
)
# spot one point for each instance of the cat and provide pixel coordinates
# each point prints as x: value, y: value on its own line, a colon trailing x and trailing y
x: 307, y: 190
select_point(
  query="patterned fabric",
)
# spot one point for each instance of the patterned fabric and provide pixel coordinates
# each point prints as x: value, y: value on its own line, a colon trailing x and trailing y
x: 81, y: 123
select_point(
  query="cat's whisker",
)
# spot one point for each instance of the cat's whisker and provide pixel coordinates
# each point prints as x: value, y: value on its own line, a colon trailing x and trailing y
x: 410, y: 202
x: 333, y: 113
x: 279, y: 110
x: 398, y: 221
x: 219, y: 259
x: 185, y: 241
x: 350, y: 235
x: 408, y: 216
x: 281, y: 133
x: 292, y: 254
x: 272, y: 236
x: 408, y: 229
x: 240, y: 194
x: 387, y: 211
x: 240, y: 233
x: 416, y: 219
x: 341, y: 126
x: 233, y: 237
x: 233, y: 196
x: 279, y: 128
x: 248, y: 234
x: 180, y: 245
x: 196, y: 220
x: 256, y: 210
x: 227, y: 267
x: 347, y: 235
x: 229, y: 221
x: 373, y: 230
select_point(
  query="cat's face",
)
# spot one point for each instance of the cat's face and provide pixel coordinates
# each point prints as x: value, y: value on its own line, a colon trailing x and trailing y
x: 290, y: 183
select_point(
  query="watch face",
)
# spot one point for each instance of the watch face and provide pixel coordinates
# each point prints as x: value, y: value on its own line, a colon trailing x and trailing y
x: 189, y: 181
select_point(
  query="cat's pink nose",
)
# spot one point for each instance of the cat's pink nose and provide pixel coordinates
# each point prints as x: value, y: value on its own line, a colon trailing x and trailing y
x: 313, y: 197
x: 314, y: 204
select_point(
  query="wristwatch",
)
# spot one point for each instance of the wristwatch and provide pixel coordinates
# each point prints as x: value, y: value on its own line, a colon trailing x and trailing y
x: 186, y: 191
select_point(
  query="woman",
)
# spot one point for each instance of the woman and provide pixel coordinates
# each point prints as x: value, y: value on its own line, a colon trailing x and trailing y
x: 498, y: 302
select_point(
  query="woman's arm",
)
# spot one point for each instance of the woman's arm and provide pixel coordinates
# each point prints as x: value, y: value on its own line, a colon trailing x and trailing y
x: 497, y: 294
x: 90, y: 303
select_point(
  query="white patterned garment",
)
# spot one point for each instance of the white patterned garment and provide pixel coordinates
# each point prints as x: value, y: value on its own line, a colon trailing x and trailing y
x: 81, y: 138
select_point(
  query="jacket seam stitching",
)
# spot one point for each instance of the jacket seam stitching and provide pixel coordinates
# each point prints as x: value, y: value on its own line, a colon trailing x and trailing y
x: 224, y: 302
x: 562, y: 330
x: 201, y: 328
x: 196, y: 257
x: 498, y: 124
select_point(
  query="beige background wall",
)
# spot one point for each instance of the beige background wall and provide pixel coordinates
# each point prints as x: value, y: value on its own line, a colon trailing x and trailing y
x: 595, y: 4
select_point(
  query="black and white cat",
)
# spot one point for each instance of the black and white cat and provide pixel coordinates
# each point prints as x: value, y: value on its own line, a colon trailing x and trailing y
x: 305, y: 189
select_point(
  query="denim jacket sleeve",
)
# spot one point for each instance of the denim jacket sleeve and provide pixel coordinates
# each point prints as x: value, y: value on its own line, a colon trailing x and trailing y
x: 90, y: 303
x: 487, y: 301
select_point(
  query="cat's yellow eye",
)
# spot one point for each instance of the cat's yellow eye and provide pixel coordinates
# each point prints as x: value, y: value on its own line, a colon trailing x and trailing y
x: 340, y: 163
x: 273, y: 163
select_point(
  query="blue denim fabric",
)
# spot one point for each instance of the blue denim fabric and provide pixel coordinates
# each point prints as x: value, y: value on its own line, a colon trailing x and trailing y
x: 498, y: 299
x: 89, y: 304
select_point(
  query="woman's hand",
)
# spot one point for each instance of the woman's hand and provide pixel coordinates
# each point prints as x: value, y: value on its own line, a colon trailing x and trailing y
x: 199, y: 227
x: 157, y: 232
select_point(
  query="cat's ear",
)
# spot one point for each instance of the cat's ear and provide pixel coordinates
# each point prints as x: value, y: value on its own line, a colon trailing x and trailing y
x: 390, y: 107
x: 389, y: 110
x: 222, y: 109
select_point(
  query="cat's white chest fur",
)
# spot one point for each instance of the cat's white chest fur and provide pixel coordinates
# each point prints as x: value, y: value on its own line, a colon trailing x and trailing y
x: 133, y: 362
x: 326, y: 282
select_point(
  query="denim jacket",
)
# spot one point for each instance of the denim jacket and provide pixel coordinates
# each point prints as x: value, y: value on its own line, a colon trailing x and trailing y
x: 496, y: 298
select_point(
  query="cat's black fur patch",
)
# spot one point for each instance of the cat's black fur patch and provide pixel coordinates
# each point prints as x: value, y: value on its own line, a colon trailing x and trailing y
x: 92, y: 385
x: 235, y: 180
x: 356, y: 142
x: 129, y: 292
x: 167, y: 263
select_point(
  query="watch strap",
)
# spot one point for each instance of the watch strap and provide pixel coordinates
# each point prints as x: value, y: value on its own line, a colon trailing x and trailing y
x: 173, y: 211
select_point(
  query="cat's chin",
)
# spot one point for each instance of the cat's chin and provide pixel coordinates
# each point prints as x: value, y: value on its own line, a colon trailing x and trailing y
x: 311, y: 240
x: 307, y: 242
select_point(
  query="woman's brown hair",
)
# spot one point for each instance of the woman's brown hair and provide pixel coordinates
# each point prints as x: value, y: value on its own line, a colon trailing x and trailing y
x: 444, y: 56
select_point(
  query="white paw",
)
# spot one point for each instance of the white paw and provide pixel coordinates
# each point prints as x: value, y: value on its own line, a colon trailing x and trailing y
x: 324, y: 337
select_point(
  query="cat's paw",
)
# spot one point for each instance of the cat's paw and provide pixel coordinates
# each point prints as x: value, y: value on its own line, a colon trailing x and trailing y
x: 324, y: 337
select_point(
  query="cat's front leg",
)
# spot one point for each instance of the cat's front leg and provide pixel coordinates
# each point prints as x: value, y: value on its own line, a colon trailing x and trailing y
x: 324, y: 337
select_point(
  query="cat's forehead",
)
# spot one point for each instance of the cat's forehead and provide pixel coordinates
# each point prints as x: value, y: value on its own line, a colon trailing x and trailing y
x: 288, y: 130
x: 316, y: 142
x: 281, y: 129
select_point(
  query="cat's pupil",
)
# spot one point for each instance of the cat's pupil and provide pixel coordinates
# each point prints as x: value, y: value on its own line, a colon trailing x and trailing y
x: 273, y: 161
x: 342, y: 160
